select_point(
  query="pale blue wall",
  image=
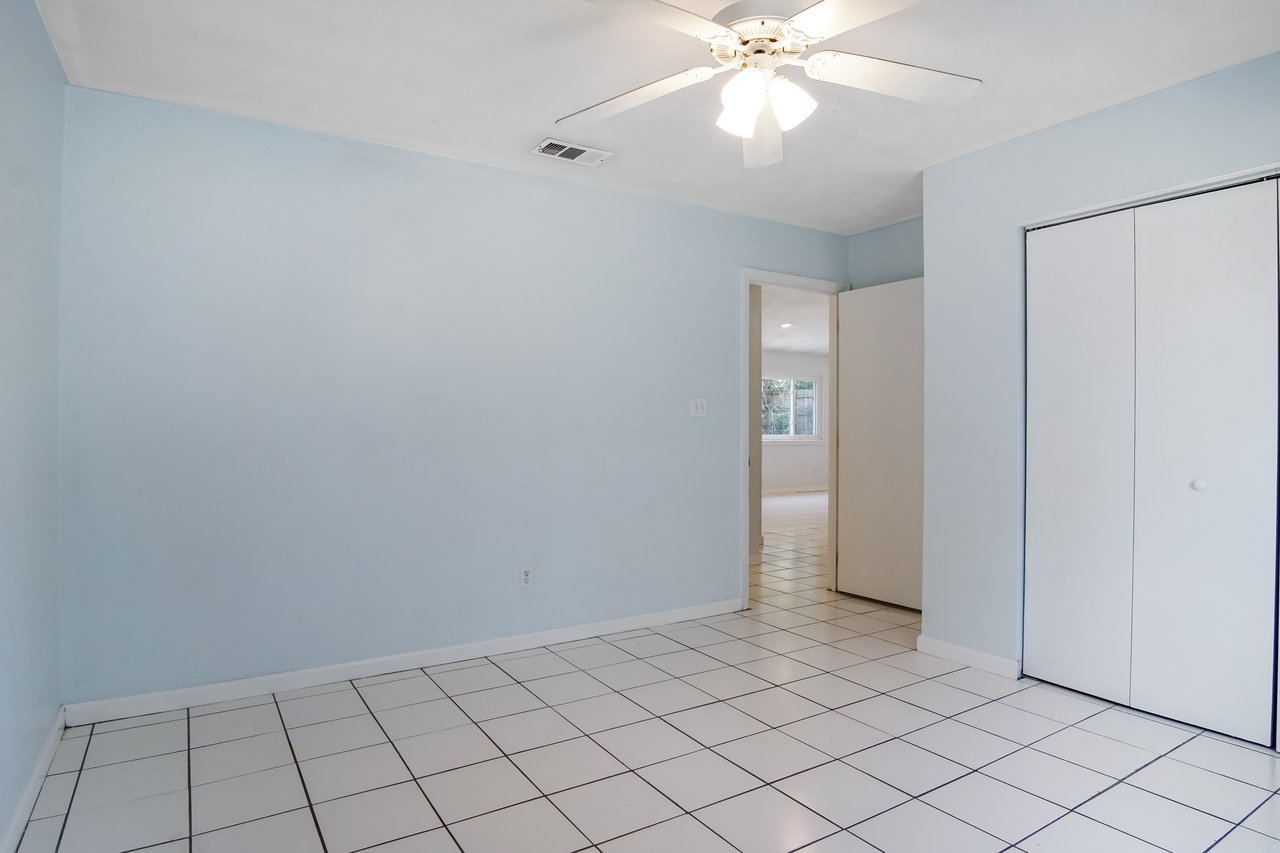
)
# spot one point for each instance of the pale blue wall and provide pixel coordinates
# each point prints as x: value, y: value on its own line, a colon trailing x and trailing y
x: 323, y: 398
x: 892, y: 253
x: 31, y: 88
x: 975, y: 208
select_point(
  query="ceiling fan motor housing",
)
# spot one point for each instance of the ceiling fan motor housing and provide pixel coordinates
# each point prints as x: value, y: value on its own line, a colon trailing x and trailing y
x: 758, y: 39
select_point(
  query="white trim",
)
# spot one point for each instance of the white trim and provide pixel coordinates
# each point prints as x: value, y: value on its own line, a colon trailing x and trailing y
x: 27, y: 802
x: 1206, y: 185
x: 171, y: 700
x: 782, y: 279
x: 795, y: 490
x: 1008, y: 667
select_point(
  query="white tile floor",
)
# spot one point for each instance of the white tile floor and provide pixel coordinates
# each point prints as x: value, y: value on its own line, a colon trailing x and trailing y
x: 806, y: 722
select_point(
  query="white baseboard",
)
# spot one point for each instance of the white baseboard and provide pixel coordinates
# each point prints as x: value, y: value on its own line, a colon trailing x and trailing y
x: 27, y: 802
x: 794, y: 491
x: 171, y: 700
x: 1008, y: 667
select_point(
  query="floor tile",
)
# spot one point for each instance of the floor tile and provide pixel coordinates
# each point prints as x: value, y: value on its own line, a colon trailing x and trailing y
x: 334, y: 736
x: 841, y: 842
x: 872, y: 648
x: 374, y: 817
x: 569, y: 687
x: 132, y: 780
x: 699, y: 779
x: 470, y: 791
x: 1137, y: 731
x: 711, y: 725
x: 890, y: 715
x: 563, y: 765
x: 777, y: 706
x: 1095, y: 752
x: 939, y: 698
x: 1049, y: 777
x: 536, y: 666
x: 1246, y: 841
x: 825, y: 632
x: 783, y: 642
x: 611, y: 807
x: 835, y: 734
x: 503, y: 701
x: 699, y: 635
x: 1266, y: 819
x: 666, y: 697
x: 915, y: 827
x: 602, y: 712
x: 1054, y: 704
x: 841, y: 794
x: 994, y: 807
x: 404, y: 691
x: 421, y: 719
x: 533, y: 827
x: 590, y: 657
x: 826, y: 658
x: 779, y: 669
x: 765, y: 821
x: 239, y: 757
x: 69, y: 755
x: 744, y: 627
x: 314, y: 690
x: 385, y: 678
x: 433, y: 841
x: 531, y: 729
x: 772, y: 755
x: 141, y: 720
x: 447, y: 750
x: 472, y: 679
x: 41, y: 836
x: 1222, y: 796
x: 962, y: 744
x: 682, y: 834
x: 644, y: 743
x: 127, y: 825
x: 735, y: 652
x: 830, y: 691
x: 1009, y: 722
x: 233, y: 704
x: 142, y: 742
x: 346, y: 773
x: 632, y: 673
x: 244, y: 798
x: 55, y: 796
x: 1163, y: 822
x: 231, y: 725
x: 726, y: 683
x: 684, y: 662
x: 291, y: 832
x: 322, y: 708
x: 862, y: 623
x: 906, y: 767
x: 649, y: 645
x: 1074, y: 834
x: 986, y: 684
x: 1238, y: 762
x: 878, y: 676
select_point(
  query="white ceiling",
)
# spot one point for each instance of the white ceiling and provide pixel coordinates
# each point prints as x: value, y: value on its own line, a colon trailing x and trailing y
x: 805, y: 310
x: 485, y: 80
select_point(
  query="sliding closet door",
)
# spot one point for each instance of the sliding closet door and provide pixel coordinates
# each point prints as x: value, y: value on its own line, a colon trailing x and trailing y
x: 1205, y: 486
x: 1079, y: 534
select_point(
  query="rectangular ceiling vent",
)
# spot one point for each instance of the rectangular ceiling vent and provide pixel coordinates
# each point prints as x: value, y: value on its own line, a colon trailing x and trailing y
x: 581, y: 154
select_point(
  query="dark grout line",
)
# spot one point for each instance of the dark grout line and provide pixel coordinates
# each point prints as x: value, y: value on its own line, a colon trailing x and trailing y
x: 302, y: 779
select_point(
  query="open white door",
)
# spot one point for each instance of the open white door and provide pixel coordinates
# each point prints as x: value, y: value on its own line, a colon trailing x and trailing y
x: 880, y: 430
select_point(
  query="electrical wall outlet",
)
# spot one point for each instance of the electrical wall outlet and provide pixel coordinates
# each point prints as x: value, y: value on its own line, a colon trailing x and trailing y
x: 526, y: 577
x: 698, y: 407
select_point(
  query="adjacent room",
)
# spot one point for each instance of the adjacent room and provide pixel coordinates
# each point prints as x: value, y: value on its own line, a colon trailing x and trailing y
x: 628, y: 425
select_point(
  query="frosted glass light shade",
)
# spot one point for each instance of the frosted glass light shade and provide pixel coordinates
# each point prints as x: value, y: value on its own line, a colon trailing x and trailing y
x: 790, y: 103
x: 743, y: 98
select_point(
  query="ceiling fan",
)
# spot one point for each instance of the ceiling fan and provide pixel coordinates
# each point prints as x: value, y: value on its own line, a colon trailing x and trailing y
x: 753, y: 39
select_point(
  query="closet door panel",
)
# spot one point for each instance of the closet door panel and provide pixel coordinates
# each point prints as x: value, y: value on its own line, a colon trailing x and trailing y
x: 1079, y: 524
x: 1205, y: 466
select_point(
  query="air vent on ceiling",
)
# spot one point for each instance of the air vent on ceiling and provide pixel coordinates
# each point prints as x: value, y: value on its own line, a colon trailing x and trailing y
x: 580, y: 154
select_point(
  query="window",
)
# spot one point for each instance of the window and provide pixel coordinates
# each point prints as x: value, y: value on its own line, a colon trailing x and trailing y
x: 789, y: 408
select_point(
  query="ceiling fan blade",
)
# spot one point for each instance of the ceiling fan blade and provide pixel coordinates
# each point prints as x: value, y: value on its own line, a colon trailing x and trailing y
x: 896, y: 79
x: 642, y: 95
x: 764, y: 148
x: 828, y: 18
x: 672, y: 17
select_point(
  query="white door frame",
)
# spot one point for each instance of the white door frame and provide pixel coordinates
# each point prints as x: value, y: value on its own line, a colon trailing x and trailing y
x: 777, y: 279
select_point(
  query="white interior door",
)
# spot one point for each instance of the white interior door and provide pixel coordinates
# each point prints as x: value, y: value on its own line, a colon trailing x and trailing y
x: 880, y: 430
x: 1079, y: 522
x: 1205, y: 518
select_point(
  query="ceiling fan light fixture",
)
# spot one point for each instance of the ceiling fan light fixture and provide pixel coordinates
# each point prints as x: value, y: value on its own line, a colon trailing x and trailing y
x: 790, y: 103
x: 743, y: 98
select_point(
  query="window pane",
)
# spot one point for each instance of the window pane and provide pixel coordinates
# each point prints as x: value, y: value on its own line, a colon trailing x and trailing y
x: 775, y: 410
x: 806, y: 406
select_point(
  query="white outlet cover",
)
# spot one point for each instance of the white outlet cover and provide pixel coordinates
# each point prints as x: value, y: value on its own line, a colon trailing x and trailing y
x: 698, y: 407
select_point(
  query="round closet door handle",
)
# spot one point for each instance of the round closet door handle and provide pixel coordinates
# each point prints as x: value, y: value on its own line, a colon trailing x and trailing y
x: 1198, y: 485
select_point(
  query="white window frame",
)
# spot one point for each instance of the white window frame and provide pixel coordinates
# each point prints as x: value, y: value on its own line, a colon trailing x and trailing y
x: 819, y: 407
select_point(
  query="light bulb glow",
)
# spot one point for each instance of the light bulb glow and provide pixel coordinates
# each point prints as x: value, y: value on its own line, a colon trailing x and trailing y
x: 743, y: 98
x: 790, y: 103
